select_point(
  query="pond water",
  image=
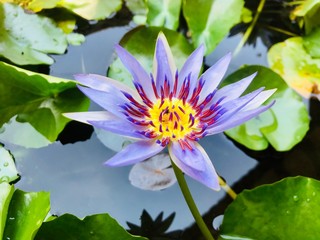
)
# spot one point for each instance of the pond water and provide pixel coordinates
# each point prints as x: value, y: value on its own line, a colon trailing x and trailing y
x: 80, y: 185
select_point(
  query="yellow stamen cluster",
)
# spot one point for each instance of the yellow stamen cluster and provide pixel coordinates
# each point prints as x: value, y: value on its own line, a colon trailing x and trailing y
x: 172, y: 119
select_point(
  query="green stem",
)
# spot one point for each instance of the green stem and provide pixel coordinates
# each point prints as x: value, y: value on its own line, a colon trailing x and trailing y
x: 191, y: 204
x: 250, y: 28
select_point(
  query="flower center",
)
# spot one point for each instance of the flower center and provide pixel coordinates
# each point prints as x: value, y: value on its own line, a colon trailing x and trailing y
x: 172, y: 119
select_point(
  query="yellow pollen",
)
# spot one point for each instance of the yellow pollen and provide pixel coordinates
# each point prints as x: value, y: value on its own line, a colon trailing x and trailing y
x: 172, y: 119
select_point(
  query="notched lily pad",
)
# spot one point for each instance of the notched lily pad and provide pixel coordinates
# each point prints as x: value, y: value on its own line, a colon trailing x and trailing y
x: 288, y: 209
x: 8, y: 170
x: 38, y: 99
x: 291, y: 61
x: 283, y: 126
x: 154, y: 173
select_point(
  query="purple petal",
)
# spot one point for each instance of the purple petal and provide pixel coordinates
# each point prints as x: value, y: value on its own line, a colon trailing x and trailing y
x: 213, y: 76
x: 134, y: 153
x: 234, y: 90
x: 119, y: 126
x: 84, y: 117
x: 237, y: 119
x: 192, y: 66
x: 109, y: 101
x: 104, y: 84
x: 164, y: 66
x: 137, y: 71
x: 260, y: 99
x: 207, y: 175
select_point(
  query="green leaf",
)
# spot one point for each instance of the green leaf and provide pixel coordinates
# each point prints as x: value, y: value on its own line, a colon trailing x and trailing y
x: 26, y: 214
x: 210, y: 21
x: 139, y: 10
x: 95, y: 227
x: 282, y: 126
x: 291, y: 61
x: 6, y: 192
x: 140, y: 42
x: 92, y: 9
x: 288, y: 209
x: 27, y: 38
x: 8, y: 171
x: 312, y: 44
x: 307, y: 14
x: 38, y: 99
x: 164, y: 13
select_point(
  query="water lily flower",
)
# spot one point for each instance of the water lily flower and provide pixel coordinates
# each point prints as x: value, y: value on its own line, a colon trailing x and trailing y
x: 170, y: 108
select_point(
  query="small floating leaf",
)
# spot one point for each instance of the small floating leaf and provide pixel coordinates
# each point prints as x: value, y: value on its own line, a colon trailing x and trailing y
x: 153, y: 174
x: 288, y: 209
x: 8, y: 171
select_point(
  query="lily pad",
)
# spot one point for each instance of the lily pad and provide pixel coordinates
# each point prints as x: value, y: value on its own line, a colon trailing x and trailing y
x: 312, y: 44
x: 25, y: 214
x: 282, y: 126
x: 28, y: 38
x: 92, y: 9
x: 307, y: 14
x: 6, y: 192
x: 291, y: 61
x: 139, y: 10
x: 288, y: 209
x: 153, y: 174
x: 95, y: 227
x: 164, y: 13
x: 88, y: 9
x: 140, y: 42
x: 8, y: 171
x: 210, y: 21
x: 38, y: 99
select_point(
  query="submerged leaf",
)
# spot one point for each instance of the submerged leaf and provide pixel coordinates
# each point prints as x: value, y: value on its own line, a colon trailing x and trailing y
x: 291, y: 61
x: 8, y: 171
x: 95, y: 227
x: 38, y: 99
x: 288, y: 209
x: 153, y: 174
x: 283, y: 125
x: 210, y: 21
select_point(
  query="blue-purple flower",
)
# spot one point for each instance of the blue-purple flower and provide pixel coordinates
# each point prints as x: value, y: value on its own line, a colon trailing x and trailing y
x: 170, y: 108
